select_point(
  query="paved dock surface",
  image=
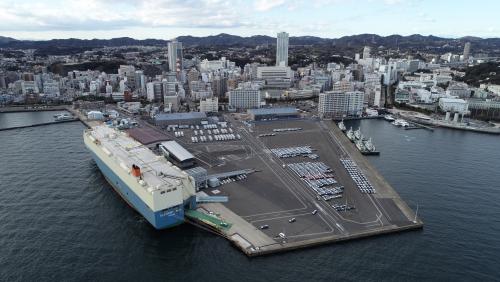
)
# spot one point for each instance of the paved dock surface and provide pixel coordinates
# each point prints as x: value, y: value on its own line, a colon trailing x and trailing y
x: 274, y: 194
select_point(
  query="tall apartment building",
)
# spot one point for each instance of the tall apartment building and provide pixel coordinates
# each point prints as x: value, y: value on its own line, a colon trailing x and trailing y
x: 244, y: 98
x: 466, y: 51
x: 337, y: 104
x: 282, y: 49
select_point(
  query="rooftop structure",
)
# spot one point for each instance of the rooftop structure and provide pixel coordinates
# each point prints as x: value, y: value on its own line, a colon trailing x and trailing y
x: 178, y: 154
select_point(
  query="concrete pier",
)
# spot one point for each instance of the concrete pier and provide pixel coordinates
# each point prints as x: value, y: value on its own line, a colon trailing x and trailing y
x: 80, y: 116
x: 273, y: 196
x: 38, y: 124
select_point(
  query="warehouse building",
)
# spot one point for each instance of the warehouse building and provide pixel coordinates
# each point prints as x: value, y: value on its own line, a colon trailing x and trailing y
x: 177, y: 154
x: 273, y: 113
x: 179, y: 118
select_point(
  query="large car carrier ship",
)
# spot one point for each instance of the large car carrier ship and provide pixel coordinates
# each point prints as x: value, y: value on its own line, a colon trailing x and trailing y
x: 156, y: 188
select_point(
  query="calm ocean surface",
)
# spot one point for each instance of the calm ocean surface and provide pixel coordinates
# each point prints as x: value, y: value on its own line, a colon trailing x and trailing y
x: 60, y: 220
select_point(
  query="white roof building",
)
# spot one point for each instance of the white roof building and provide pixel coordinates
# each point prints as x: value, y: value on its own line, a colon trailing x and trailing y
x: 454, y: 105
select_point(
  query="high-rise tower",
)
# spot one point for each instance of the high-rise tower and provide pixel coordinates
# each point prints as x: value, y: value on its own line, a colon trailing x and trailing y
x: 466, y: 51
x: 282, y: 49
x: 175, y: 57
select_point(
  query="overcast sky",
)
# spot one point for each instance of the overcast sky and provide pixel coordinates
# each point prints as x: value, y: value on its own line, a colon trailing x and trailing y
x: 166, y: 19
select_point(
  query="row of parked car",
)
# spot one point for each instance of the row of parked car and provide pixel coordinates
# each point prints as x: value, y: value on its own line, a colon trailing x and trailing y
x: 218, y: 137
x: 318, y: 176
x: 287, y: 129
x: 290, y: 152
x: 359, y: 178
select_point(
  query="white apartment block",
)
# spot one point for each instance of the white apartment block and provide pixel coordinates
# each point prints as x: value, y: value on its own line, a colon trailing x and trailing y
x: 209, y: 105
x: 242, y: 98
x: 337, y: 104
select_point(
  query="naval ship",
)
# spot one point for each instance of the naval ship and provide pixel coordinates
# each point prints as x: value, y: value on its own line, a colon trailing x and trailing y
x: 154, y: 187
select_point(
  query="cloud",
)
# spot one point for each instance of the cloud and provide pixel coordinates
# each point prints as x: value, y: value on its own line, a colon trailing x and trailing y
x: 266, y: 5
x: 114, y: 14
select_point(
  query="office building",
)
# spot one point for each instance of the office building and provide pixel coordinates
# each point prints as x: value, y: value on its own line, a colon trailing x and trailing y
x: 154, y: 91
x: 175, y: 57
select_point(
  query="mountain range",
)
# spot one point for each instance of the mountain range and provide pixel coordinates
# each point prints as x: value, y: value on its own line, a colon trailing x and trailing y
x: 355, y: 41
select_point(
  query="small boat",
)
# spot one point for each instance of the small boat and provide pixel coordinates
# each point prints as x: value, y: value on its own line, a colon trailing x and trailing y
x: 389, y: 118
x: 401, y: 122
x: 342, y: 125
x: 63, y: 117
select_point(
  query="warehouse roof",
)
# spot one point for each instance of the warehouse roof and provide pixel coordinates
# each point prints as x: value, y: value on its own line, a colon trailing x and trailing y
x: 269, y: 111
x: 180, y: 116
x: 177, y: 150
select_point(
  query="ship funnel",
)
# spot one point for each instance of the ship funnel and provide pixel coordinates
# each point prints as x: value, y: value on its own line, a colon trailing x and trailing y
x: 136, y: 171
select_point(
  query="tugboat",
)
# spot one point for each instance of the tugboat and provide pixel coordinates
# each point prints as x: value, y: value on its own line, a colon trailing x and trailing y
x: 369, y: 148
x: 359, y: 144
x: 369, y: 145
x: 342, y: 126
x: 350, y: 135
x: 357, y: 134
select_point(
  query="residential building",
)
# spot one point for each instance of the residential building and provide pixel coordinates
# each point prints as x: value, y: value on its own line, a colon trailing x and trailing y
x: 209, y: 105
x: 244, y: 98
x: 337, y: 104
x: 282, y: 49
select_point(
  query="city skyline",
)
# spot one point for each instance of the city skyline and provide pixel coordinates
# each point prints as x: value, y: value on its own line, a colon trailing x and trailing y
x: 166, y: 19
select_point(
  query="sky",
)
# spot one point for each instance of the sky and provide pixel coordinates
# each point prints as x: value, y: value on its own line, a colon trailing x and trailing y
x: 167, y: 19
